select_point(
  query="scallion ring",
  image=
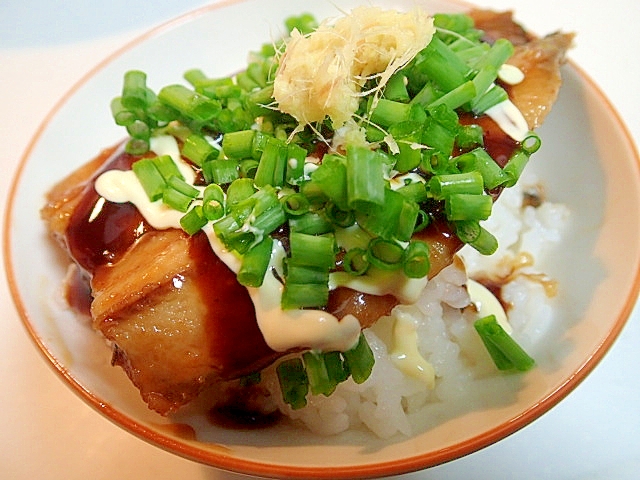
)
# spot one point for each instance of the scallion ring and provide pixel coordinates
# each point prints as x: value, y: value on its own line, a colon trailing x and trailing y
x: 384, y: 254
x: 355, y: 262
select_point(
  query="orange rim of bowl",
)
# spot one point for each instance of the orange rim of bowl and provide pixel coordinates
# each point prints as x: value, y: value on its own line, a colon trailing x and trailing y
x: 245, y: 466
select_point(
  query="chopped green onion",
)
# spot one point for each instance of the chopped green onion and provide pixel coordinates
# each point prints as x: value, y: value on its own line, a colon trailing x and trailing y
x: 443, y: 186
x: 176, y: 199
x: 248, y: 168
x: 193, y: 221
x: 338, y: 217
x: 427, y: 95
x: 490, y: 98
x: 150, y: 178
x: 387, y: 112
x: 457, y: 97
x: 360, y: 360
x: 273, y: 163
x: 304, y: 295
x: 296, y: 156
x: 295, y: 204
x: 355, y: 261
x: 134, y: 90
x: 336, y: 367
x: 213, y: 202
x: 480, y: 161
x: 408, y: 136
x: 506, y: 353
x: 395, y: 220
x: 396, y: 88
x: 331, y: 178
x: 310, y: 223
x: 515, y: 166
x: 297, y: 273
x: 313, y: 250
x: 293, y: 381
x: 414, y: 191
x: 239, y: 144
x: 305, y: 23
x: 195, y: 77
x: 467, y: 206
x: 470, y: 136
x: 442, y: 65
x: 365, y: 176
x: 122, y: 115
x: 249, y: 220
x: 499, y: 53
x: 137, y: 146
x: 239, y: 190
x: 178, y: 184
x: 197, y: 149
x: 437, y: 134
x: 415, y: 260
x: 189, y: 103
x: 255, y: 263
x: 384, y: 254
x: 454, y: 22
x: 167, y: 167
x: 531, y: 144
x: 471, y: 232
x: 321, y: 381
x: 221, y: 171
x: 139, y: 129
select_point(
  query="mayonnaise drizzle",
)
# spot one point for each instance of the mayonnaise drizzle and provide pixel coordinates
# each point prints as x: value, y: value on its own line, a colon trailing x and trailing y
x: 404, y: 351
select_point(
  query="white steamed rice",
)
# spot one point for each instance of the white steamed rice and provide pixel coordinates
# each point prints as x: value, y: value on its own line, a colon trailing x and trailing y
x: 390, y: 402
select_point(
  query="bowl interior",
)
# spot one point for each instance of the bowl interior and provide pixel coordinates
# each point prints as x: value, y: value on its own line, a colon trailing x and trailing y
x: 588, y: 162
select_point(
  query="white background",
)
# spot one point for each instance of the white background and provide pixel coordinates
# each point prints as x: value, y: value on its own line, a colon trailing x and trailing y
x: 47, y: 432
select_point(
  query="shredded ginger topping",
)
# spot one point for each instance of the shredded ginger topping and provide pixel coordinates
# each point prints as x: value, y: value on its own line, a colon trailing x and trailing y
x: 322, y: 74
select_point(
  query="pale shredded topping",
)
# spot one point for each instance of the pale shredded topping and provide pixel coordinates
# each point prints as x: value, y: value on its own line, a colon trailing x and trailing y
x: 322, y: 74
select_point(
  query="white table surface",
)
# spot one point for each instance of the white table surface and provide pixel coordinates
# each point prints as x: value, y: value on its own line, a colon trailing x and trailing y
x: 47, y: 432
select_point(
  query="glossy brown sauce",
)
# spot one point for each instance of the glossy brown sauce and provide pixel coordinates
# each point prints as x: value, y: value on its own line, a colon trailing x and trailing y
x: 236, y: 344
x: 99, y: 233
x: 236, y: 417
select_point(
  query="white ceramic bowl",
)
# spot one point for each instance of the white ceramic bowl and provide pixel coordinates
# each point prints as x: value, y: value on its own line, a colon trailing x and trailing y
x: 588, y: 162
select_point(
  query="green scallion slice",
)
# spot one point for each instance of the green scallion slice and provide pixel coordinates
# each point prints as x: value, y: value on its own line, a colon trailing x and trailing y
x: 355, y: 261
x: 384, y: 254
x: 193, y: 221
x: 365, y: 176
x: 213, y: 202
x: 359, y: 360
x: 197, y: 149
x: 467, y: 206
x: 506, y: 353
x: 150, y: 178
x: 443, y: 186
x: 313, y: 250
x: 255, y: 263
x: 134, y: 90
x: 415, y: 260
x: 304, y: 295
x: 294, y: 383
